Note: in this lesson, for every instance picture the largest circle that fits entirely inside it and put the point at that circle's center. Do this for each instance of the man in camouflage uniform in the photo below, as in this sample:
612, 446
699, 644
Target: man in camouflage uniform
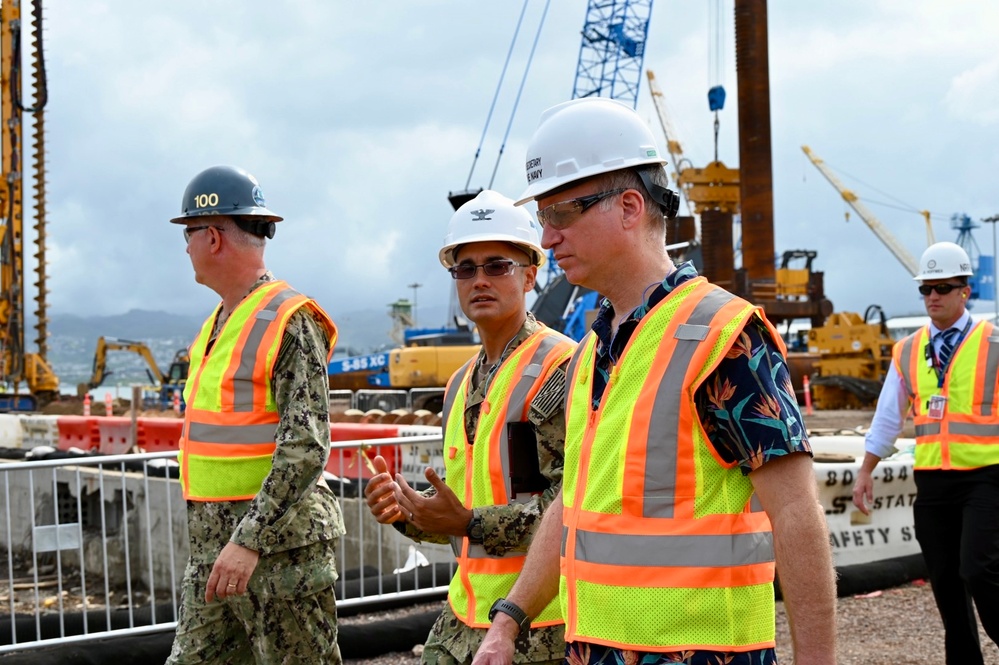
259, 582
493, 252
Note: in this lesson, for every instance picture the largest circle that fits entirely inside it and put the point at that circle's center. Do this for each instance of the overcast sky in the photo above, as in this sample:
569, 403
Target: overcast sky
358, 118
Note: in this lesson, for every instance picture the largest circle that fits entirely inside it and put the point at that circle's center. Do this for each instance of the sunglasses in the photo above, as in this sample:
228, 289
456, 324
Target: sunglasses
562, 214
191, 230
942, 289
497, 268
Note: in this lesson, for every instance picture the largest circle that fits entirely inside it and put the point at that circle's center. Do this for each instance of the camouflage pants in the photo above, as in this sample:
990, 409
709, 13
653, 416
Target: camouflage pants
286, 616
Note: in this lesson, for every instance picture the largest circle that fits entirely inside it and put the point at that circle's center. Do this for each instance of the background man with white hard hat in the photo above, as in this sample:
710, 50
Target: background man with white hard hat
947, 373
504, 431
687, 472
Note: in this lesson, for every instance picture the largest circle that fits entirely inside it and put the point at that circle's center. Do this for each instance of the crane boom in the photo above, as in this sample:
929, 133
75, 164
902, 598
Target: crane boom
672, 143
880, 230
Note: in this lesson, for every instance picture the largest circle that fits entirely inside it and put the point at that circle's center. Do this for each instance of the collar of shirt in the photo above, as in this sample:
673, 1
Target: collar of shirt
603, 324
959, 324
482, 377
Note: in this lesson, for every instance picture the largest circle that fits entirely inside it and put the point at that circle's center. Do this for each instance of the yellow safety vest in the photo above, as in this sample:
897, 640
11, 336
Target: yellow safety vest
664, 546
966, 436
228, 437
479, 474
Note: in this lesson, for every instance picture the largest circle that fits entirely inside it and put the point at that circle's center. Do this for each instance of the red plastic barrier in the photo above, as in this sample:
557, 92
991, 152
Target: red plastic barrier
158, 434
346, 463
78, 432
114, 435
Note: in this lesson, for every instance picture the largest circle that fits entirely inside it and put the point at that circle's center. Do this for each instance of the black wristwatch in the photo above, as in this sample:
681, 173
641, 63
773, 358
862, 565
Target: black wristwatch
506, 607
474, 529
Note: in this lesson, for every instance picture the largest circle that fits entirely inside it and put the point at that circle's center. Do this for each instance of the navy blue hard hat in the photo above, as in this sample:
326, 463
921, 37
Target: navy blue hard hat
231, 191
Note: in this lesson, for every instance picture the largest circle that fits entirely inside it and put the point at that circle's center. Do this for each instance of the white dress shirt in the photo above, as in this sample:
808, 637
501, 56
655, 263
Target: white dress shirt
893, 402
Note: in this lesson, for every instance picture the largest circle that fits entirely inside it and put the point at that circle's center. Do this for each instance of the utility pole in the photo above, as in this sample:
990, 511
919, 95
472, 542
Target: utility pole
993, 220
414, 286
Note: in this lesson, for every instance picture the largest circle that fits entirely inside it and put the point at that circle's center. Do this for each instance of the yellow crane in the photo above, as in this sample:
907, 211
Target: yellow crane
17, 366
880, 230
715, 186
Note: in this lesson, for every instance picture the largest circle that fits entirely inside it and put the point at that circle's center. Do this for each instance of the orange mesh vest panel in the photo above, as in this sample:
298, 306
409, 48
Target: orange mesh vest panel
231, 417
664, 547
966, 436
479, 474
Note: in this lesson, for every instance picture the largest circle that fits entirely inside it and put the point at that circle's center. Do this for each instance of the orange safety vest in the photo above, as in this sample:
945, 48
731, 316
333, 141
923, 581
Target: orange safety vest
664, 546
231, 417
966, 436
479, 474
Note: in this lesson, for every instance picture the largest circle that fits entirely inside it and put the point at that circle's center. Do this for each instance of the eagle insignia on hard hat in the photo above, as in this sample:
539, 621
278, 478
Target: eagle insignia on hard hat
481, 215
258, 196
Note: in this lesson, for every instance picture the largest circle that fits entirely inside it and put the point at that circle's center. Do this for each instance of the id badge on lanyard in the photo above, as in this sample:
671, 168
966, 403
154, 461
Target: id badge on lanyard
936, 407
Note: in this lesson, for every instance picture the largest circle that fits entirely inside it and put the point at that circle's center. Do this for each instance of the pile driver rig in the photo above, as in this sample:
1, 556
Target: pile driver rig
18, 367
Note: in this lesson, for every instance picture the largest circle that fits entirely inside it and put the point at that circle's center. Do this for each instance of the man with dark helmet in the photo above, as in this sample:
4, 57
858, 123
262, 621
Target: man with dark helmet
262, 523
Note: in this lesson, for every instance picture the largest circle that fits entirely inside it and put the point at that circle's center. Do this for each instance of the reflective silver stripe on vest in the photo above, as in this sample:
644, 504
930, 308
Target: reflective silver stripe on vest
660, 456
207, 433
450, 394
674, 551
927, 430
971, 429
476, 551
570, 370
242, 380
905, 360
991, 370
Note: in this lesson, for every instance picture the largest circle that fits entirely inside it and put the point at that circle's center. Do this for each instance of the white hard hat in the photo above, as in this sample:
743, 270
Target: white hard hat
490, 216
942, 260
583, 138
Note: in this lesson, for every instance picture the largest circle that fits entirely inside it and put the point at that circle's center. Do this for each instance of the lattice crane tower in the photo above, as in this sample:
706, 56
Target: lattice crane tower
612, 49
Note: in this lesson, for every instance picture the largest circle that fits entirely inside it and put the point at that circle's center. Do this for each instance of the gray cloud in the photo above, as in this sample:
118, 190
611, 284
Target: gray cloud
358, 118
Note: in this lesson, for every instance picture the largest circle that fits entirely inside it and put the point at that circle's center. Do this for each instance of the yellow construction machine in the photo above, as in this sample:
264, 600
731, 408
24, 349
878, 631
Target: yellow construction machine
18, 367
166, 382
854, 356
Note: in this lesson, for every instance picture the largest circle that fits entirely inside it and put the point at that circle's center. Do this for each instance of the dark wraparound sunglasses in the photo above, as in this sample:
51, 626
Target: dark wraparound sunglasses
191, 230
942, 289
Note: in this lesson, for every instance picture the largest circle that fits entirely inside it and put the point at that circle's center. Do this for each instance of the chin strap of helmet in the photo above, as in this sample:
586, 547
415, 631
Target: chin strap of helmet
668, 200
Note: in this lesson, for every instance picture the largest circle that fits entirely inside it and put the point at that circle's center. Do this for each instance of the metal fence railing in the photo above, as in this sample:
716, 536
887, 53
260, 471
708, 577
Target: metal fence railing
94, 546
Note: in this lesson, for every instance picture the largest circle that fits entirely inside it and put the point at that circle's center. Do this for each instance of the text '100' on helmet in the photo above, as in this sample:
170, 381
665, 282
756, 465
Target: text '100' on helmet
228, 190
492, 217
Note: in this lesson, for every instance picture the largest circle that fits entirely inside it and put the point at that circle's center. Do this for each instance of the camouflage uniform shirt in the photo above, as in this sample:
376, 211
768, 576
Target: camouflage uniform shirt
510, 527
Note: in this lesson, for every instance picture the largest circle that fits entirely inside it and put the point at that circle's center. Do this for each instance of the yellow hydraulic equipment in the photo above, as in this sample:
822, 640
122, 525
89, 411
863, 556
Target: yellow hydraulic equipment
854, 356
714, 187
880, 230
426, 366
17, 366
173, 379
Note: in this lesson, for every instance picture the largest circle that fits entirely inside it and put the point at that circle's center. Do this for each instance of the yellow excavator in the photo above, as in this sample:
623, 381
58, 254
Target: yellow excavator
18, 367
166, 382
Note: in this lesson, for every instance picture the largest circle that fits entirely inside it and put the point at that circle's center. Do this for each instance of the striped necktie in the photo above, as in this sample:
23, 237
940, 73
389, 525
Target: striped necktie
946, 346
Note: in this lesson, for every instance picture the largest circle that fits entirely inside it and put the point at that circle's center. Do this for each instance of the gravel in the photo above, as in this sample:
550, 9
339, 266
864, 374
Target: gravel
897, 626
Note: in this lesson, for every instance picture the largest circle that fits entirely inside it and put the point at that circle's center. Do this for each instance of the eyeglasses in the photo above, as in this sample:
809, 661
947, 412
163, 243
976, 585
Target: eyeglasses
497, 268
942, 289
562, 214
191, 230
